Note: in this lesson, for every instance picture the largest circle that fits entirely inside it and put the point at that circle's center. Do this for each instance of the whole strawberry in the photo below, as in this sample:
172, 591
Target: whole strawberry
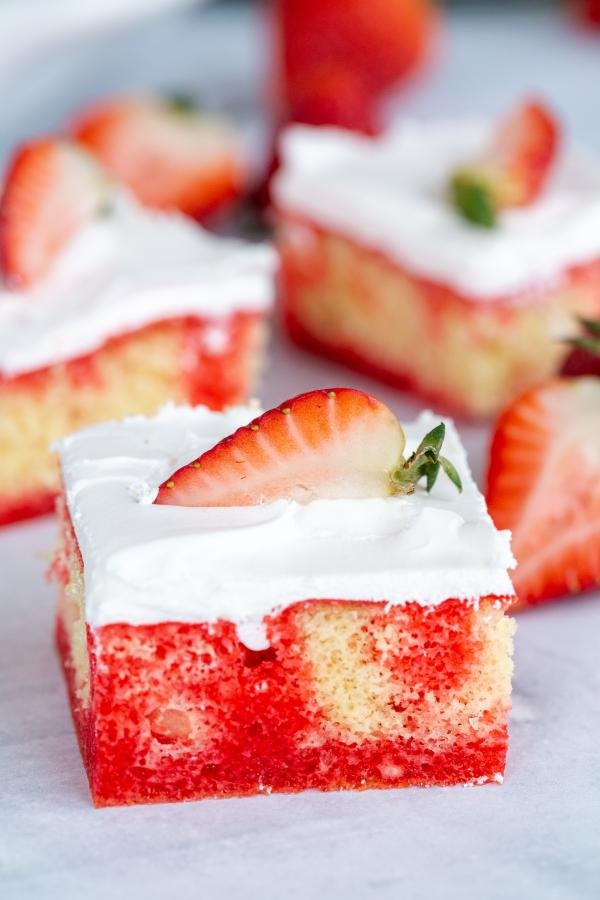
363, 47
333, 95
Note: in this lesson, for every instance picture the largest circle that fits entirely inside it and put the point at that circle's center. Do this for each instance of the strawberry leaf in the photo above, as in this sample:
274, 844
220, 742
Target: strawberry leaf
432, 442
473, 200
431, 475
425, 462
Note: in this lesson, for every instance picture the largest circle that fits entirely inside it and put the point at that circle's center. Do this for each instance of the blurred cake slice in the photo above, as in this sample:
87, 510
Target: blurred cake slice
446, 257
108, 309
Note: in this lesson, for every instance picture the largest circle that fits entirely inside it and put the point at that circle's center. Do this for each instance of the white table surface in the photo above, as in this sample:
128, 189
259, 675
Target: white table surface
62, 21
537, 836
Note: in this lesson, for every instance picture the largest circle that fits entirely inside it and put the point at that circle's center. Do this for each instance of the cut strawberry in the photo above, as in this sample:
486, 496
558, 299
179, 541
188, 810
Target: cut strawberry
52, 189
544, 485
325, 444
514, 169
166, 152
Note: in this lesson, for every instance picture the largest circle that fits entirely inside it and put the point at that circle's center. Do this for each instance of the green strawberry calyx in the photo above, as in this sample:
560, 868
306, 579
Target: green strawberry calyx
425, 462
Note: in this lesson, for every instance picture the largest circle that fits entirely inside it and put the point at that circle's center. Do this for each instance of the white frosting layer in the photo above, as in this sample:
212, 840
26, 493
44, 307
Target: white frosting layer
391, 194
145, 563
126, 270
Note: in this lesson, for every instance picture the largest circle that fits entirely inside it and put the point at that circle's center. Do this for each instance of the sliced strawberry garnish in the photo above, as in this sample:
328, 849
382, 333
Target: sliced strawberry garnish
170, 155
544, 485
53, 187
513, 170
325, 444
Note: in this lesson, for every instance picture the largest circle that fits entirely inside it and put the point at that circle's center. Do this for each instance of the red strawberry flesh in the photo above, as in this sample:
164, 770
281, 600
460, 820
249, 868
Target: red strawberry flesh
513, 171
525, 148
167, 153
326, 444
52, 189
544, 485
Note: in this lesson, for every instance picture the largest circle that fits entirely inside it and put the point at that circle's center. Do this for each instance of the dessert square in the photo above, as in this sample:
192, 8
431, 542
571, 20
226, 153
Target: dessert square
233, 650
380, 271
140, 308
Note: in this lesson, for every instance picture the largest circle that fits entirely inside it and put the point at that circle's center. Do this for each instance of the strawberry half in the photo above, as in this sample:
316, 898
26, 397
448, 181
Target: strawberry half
544, 485
325, 444
513, 171
52, 189
166, 152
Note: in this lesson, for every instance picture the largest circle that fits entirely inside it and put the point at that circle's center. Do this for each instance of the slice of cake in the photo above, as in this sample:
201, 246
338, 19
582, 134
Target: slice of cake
445, 256
107, 309
283, 608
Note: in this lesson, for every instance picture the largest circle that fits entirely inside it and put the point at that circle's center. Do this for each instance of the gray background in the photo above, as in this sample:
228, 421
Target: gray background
536, 836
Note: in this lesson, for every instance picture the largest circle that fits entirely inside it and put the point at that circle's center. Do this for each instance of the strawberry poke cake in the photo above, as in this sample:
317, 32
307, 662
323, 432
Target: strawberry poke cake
170, 154
445, 256
256, 603
109, 308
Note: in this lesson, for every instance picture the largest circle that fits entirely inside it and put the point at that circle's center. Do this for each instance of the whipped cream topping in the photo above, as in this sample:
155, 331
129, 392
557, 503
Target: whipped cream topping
146, 564
128, 269
391, 194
